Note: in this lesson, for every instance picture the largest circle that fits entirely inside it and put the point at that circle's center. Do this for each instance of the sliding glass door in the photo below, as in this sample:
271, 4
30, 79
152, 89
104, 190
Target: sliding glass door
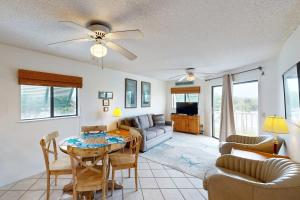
245, 104
216, 110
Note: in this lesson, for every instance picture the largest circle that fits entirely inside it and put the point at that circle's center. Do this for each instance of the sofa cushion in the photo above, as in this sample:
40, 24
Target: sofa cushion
158, 131
165, 128
144, 121
149, 134
135, 122
150, 120
159, 119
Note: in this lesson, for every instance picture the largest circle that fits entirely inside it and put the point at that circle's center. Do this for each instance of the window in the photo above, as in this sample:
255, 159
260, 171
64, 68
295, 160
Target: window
47, 102
216, 110
245, 105
35, 102
188, 97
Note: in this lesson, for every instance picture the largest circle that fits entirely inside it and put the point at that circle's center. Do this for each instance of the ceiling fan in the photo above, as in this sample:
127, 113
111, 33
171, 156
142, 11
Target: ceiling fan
189, 75
100, 34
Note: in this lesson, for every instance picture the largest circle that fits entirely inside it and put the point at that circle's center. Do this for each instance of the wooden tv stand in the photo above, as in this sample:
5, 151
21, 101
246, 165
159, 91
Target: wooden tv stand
186, 123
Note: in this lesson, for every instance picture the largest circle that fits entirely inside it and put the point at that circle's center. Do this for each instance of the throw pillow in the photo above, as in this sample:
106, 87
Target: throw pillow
150, 120
128, 122
159, 120
135, 122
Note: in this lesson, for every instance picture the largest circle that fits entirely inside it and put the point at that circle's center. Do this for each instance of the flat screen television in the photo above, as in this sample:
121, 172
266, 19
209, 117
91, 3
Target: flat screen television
187, 108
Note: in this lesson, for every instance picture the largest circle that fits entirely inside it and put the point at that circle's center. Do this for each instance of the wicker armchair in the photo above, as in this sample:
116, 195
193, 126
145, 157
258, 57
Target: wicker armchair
261, 143
244, 179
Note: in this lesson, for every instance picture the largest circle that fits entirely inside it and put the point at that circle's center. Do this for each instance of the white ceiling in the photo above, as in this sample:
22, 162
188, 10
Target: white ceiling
214, 35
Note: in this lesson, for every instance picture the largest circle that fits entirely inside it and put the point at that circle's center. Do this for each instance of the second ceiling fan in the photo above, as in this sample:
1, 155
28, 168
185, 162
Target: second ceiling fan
102, 37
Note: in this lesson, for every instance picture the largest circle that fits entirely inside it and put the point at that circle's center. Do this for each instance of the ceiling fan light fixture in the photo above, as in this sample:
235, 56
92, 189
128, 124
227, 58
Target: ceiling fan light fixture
98, 50
190, 77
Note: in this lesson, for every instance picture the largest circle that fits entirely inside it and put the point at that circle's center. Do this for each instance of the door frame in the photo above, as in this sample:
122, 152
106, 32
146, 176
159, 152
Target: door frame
212, 109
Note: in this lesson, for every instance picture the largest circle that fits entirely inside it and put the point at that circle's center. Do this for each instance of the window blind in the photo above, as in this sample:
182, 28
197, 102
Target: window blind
28, 77
185, 90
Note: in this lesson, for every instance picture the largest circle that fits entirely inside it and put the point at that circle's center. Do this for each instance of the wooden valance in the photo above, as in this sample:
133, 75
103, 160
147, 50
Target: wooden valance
27, 77
183, 90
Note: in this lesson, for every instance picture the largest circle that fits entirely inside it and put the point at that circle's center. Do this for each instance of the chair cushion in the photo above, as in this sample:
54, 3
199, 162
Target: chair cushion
165, 128
144, 121
159, 120
60, 164
227, 172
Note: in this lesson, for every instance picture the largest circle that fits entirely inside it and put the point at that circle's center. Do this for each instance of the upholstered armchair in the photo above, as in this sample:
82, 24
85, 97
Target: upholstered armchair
236, 178
261, 143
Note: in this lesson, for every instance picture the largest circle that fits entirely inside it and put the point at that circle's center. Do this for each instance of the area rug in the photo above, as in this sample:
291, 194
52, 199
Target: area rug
192, 154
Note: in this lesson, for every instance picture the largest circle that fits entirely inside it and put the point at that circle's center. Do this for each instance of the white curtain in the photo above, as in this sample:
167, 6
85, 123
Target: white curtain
227, 126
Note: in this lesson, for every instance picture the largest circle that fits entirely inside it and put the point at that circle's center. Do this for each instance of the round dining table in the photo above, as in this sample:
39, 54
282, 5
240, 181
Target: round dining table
113, 140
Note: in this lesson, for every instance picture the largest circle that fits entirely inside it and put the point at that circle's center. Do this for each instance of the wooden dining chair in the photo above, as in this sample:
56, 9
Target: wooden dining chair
57, 166
127, 160
87, 129
88, 175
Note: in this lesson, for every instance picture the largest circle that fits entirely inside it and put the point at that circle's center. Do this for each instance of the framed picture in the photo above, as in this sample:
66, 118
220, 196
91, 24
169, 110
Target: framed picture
130, 93
105, 109
291, 85
101, 95
105, 102
109, 95
105, 95
145, 94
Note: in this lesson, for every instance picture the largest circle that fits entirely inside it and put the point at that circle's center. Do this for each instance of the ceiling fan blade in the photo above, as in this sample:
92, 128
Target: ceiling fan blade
78, 27
177, 76
129, 34
196, 75
200, 76
71, 40
182, 78
121, 50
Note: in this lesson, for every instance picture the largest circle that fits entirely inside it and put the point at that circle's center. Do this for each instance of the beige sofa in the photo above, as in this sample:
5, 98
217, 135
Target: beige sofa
237, 178
261, 143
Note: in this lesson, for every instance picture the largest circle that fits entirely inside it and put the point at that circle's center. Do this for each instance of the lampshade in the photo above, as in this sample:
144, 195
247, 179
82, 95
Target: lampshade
275, 124
117, 112
98, 50
190, 77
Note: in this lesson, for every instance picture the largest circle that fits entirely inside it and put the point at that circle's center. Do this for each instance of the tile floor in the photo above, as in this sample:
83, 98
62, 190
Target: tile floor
156, 181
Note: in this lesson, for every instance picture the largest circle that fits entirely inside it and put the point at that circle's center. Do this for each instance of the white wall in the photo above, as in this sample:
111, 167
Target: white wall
289, 56
20, 153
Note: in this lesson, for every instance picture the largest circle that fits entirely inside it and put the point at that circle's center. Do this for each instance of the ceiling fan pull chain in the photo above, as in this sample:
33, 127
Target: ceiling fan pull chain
102, 62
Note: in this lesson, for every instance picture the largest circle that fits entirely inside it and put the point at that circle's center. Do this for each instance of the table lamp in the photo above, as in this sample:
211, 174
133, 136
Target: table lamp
117, 113
276, 125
